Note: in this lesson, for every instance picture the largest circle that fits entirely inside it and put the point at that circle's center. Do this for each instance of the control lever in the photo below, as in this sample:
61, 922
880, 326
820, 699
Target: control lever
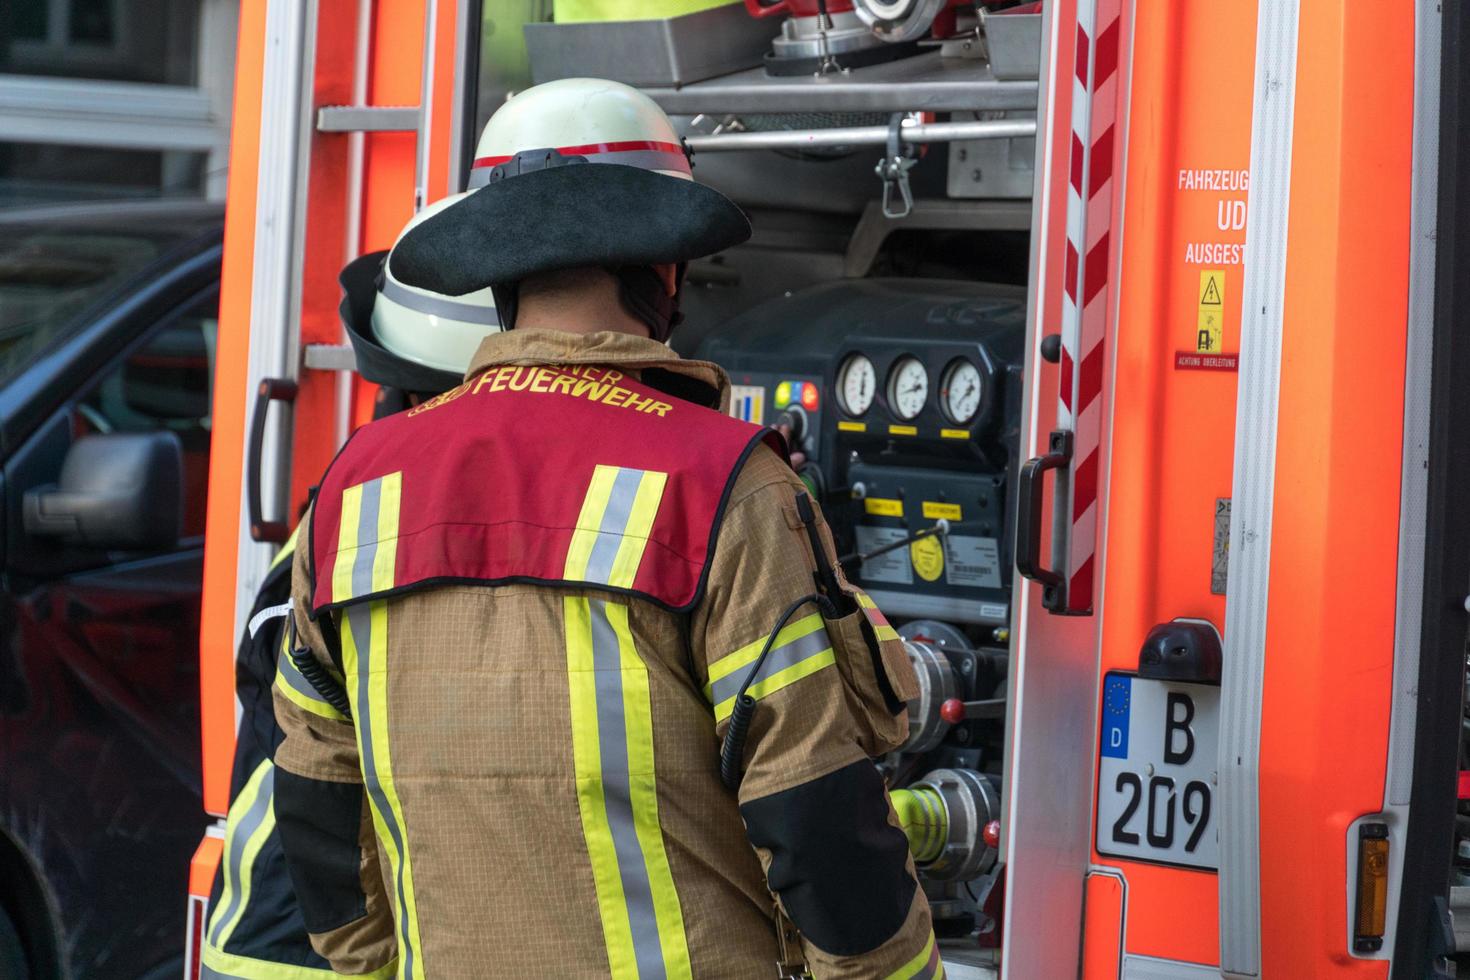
941, 528
955, 711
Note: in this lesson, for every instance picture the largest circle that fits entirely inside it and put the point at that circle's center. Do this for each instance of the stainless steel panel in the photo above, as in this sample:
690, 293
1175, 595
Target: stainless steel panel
926, 82
667, 51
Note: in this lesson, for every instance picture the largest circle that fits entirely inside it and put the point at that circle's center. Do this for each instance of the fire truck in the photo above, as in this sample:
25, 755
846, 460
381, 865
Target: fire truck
1127, 346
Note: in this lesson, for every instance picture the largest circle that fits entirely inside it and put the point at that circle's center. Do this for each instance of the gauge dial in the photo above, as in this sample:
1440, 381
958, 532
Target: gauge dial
960, 391
856, 383
908, 387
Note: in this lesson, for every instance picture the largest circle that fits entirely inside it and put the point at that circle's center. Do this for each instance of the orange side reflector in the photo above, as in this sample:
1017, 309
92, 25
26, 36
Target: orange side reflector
202, 867
1372, 902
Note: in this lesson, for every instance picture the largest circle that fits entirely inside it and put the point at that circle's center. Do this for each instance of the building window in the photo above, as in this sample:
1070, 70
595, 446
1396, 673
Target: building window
36, 172
118, 40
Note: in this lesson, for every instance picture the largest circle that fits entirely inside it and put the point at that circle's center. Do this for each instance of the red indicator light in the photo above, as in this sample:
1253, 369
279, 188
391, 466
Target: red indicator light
810, 397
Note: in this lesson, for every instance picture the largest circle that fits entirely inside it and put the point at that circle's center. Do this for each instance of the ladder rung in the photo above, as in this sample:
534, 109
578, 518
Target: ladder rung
367, 118
330, 357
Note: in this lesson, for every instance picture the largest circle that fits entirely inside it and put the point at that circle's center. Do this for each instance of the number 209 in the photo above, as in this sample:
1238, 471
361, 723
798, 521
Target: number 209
1159, 819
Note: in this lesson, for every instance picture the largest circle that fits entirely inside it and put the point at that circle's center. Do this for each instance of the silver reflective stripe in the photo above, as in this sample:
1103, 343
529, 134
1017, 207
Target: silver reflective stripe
240, 835
614, 523
291, 675
782, 657
612, 736
1253, 490
450, 309
931, 968
360, 622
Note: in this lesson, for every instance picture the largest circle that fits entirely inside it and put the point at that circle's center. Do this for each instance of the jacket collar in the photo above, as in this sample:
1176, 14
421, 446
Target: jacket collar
654, 363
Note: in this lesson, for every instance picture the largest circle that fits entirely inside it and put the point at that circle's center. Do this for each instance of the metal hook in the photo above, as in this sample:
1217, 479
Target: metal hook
893, 170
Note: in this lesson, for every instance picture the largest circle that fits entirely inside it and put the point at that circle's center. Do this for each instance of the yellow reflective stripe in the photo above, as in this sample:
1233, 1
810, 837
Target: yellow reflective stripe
746, 655
589, 521
219, 965
297, 689
346, 543
643, 790
617, 794
587, 765
385, 554
782, 678
306, 702
364, 658
925, 966
881, 628
287, 549
258, 790
635, 535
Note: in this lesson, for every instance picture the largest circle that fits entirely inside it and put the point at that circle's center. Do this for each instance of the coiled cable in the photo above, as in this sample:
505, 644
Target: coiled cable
732, 749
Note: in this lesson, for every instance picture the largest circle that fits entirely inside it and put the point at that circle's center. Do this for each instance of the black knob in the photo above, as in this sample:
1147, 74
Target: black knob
1051, 348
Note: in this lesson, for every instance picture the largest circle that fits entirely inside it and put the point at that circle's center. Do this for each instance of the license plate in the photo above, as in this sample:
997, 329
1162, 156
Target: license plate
1157, 771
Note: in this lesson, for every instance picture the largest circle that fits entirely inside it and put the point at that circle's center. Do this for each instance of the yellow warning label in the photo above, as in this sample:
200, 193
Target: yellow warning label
954, 433
883, 507
934, 510
903, 430
1210, 324
1212, 287
927, 555
845, 426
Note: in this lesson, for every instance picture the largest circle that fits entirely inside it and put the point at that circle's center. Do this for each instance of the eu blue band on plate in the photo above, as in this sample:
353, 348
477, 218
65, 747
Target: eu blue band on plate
1117, 696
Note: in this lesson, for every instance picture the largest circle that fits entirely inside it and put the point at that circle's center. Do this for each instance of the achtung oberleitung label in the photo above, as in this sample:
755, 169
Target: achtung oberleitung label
1211, 319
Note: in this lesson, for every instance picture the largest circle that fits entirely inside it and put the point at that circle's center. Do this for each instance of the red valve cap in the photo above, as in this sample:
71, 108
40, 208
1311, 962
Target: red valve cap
991, 834
952, 711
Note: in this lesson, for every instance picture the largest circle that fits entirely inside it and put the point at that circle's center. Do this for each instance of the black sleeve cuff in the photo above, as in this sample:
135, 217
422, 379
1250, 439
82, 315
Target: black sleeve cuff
319, 823
840, 867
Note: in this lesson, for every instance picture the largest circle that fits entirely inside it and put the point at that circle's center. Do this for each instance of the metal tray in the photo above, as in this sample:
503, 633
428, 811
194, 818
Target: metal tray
671, 51
1014, 41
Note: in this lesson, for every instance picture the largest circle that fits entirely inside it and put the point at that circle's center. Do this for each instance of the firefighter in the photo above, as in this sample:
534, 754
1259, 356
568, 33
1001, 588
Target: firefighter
415, 344
609, 693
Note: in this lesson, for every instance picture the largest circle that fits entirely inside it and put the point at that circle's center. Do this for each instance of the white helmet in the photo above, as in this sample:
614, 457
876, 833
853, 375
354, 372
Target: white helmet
429, 328
539, 208
592, 118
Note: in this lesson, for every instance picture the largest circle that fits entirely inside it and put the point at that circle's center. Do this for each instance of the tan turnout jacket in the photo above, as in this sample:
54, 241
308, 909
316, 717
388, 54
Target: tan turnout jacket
501, 858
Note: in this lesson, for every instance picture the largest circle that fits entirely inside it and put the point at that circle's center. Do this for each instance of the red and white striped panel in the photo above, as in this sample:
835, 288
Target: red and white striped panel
1088, 257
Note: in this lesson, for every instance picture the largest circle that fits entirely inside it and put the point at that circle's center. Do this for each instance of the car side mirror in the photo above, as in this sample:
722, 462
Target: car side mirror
121, 491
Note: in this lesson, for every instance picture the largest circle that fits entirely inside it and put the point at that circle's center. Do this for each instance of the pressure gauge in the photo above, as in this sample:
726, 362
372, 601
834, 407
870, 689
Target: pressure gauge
960, 391
856, 383
908, 387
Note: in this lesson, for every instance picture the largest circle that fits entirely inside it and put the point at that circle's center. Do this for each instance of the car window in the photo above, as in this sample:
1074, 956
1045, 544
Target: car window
49, 276
165, 384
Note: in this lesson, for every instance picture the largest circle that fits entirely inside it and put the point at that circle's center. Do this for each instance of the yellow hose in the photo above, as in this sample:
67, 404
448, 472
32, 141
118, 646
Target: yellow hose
924, 819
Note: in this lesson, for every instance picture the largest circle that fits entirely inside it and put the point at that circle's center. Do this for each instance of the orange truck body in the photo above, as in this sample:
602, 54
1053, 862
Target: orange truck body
1185, 99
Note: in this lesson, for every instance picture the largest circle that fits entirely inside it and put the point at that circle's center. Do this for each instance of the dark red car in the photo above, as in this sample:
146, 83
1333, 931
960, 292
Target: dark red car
107, 329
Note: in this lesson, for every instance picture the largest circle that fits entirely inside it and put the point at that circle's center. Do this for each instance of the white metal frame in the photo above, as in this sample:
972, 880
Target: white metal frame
275, 288
1253, 490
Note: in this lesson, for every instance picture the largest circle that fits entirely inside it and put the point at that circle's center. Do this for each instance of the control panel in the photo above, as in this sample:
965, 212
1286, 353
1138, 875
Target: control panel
904, 394
905, 397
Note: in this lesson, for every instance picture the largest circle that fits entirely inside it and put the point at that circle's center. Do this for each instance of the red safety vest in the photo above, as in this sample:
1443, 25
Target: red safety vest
531, 474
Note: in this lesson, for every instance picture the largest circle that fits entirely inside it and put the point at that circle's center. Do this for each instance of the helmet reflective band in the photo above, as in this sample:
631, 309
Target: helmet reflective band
592, 118
429, 328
